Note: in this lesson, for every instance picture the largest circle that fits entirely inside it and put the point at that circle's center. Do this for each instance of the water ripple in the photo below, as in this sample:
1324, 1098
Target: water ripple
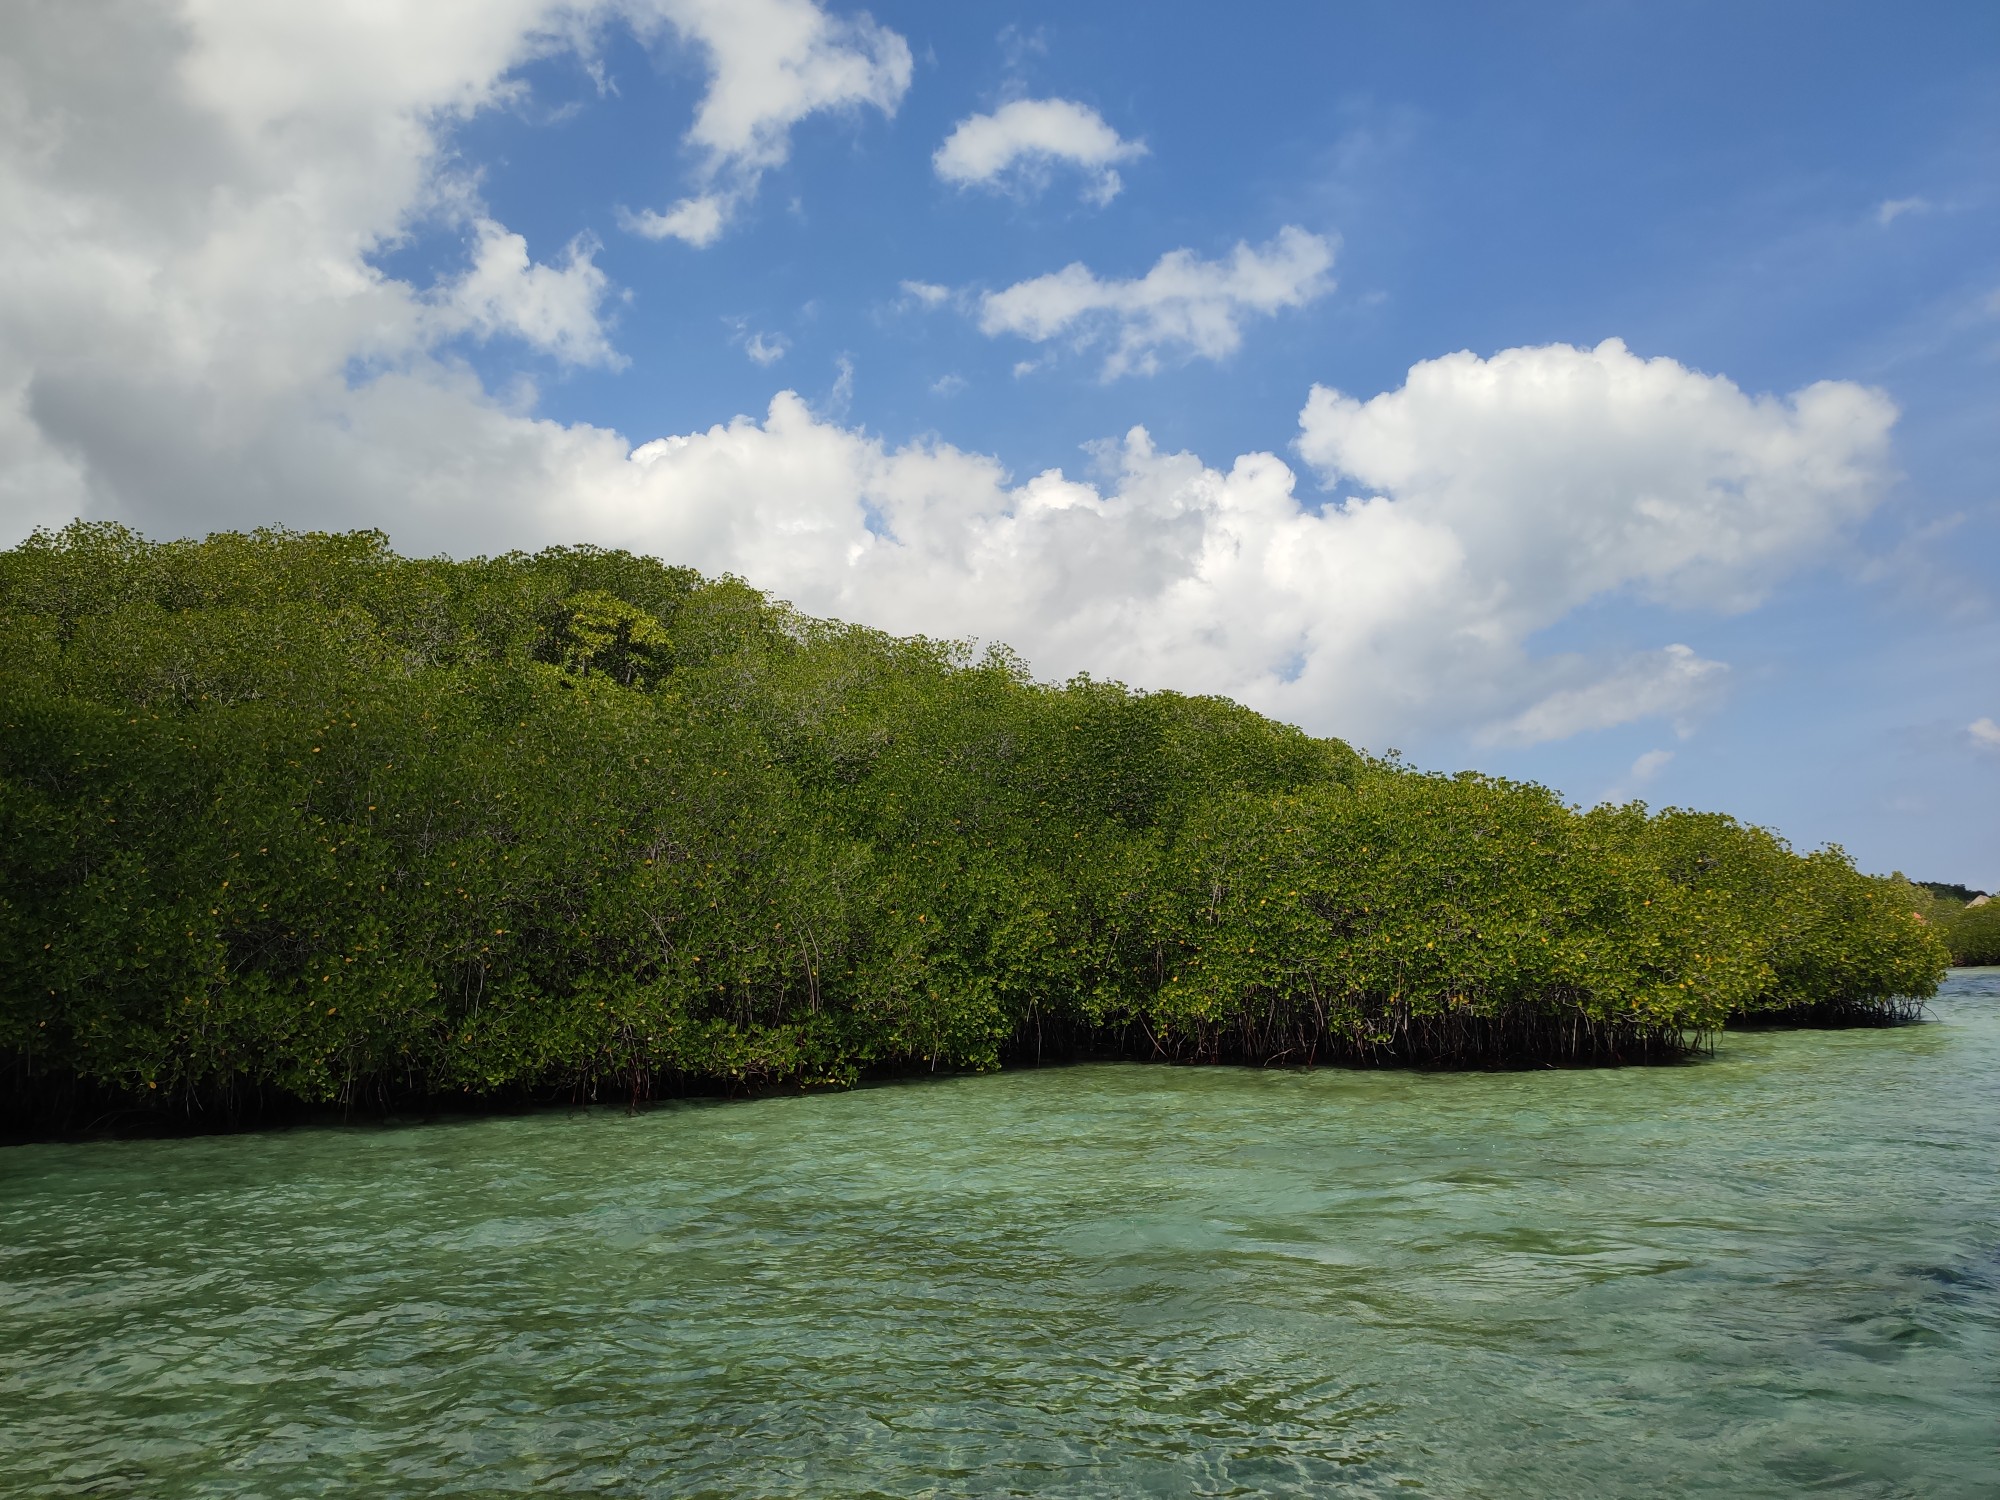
1774, 1273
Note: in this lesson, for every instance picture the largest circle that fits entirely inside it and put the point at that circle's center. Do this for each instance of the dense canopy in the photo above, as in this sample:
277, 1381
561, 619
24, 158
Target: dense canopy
289, 817
1973, 933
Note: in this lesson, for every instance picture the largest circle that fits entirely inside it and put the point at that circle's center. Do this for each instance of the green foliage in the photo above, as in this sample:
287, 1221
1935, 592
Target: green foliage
600, 632
1928, 899
288, 814
1828, 938
1973, 934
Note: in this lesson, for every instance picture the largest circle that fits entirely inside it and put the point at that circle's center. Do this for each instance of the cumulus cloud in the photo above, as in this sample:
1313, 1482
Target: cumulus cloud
192, 335
554, 309
696, 221
1184, 307
191, 195
771, 64
1374, 617
1984, 734
1017, 144
1569, 472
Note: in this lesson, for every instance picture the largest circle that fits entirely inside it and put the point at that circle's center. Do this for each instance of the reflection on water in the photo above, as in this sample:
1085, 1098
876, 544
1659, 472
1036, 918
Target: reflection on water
1772, 1273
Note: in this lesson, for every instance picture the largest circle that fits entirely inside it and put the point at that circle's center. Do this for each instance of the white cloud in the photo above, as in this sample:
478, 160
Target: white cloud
1570, 472
925, 294
192, 336
840, 396
1649, 765
1017, 143
1666, 683
771, 64
1984, 733
947, 385
1638, 776
696, 221
766, 349
1889, 212
1376, 617
553, 309
1183, 306
188, 197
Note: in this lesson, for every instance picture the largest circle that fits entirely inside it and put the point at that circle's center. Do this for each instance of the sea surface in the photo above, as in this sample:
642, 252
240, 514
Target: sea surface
1772, 1272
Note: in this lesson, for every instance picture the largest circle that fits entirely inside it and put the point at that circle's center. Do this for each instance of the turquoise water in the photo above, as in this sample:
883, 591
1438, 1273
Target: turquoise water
1772, 1273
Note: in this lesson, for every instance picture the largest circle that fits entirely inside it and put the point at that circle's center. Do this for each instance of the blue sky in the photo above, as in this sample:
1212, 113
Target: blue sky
1705, 184
1678, 590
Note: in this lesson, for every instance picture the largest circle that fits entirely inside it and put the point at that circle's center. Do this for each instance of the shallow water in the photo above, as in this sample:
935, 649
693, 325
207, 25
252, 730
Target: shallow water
1772, 1273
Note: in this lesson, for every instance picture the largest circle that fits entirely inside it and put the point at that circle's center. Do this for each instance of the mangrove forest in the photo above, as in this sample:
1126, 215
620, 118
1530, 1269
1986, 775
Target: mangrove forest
291, 820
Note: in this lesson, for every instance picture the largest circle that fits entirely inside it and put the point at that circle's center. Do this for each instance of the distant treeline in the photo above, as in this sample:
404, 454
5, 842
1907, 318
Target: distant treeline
289, 817
1959, 895
1974, 936
1972, 933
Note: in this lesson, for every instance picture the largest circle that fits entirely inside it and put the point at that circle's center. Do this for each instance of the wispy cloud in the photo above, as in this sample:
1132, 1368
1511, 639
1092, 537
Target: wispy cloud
1671, 682
1183, 307
766, 348
925, 294
771, 64
1649, 765
1637, 777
